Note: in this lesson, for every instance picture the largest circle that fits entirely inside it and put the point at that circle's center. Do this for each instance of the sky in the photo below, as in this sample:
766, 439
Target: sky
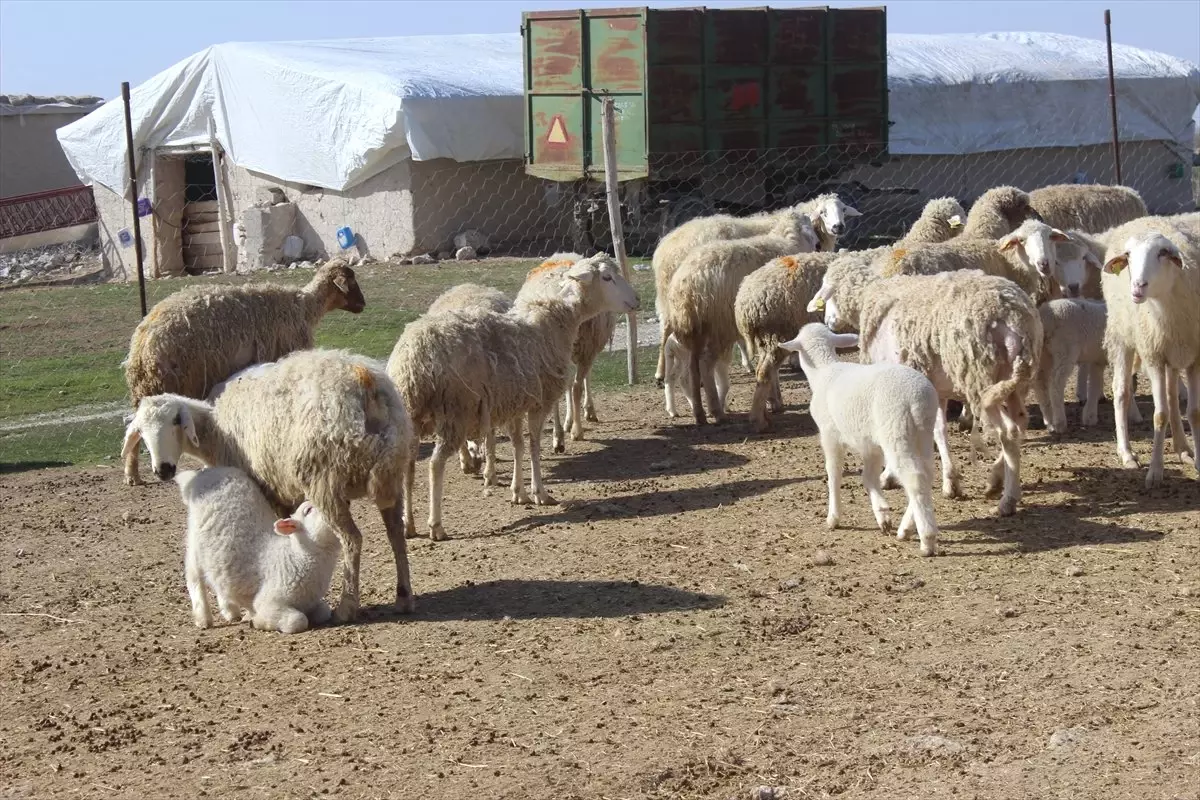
89, 46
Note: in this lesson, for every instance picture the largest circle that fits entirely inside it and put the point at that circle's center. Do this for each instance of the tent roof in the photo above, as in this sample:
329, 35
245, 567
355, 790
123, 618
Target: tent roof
332, 113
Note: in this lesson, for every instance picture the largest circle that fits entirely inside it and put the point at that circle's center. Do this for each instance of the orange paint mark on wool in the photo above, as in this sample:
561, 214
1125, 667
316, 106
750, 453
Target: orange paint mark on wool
363, 376
546, 266
789, 263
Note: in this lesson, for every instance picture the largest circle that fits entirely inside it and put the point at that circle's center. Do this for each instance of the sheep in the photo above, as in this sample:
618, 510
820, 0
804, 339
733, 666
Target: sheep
473, 455
199, 336
326, 425
464, 372
1087, 207
674, 248
701, 300
1151, 284
1073, 334
885, 414
980, 340
828, 214
998, 211
278, 570
771, 301
545, 280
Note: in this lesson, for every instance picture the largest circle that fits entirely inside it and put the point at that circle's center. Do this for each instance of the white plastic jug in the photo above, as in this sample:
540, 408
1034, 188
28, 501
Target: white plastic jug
293, 247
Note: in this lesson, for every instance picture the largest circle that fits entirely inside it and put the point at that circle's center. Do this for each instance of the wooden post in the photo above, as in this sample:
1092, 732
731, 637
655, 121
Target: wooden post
608, 129
228, 261
1112, 95
133, 200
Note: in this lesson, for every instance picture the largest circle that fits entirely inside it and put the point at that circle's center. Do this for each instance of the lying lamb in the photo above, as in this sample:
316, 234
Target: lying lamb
885, 414
277, 570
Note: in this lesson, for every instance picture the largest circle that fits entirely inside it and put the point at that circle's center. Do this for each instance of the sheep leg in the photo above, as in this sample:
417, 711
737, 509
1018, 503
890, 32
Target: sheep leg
666, 361
437, 485
1055, 414
559, 444
768, 367
393, 523
951, 487
1160, 377
916, 476
696, 387
337, 512
744, 354
1193, 413
1015, 416
1090, 414
721, 378
1122, 367
537, 421
872, 466
468, 460
835, 457
201, 614
966, 420
589, 406
773, 360
1178, 438
409, 497
489, 464
660, 370
1083, 383
716, 403
516, 434
132, 476
577, 391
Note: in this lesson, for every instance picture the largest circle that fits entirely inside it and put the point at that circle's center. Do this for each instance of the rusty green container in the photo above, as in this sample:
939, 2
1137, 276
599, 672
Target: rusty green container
812, 81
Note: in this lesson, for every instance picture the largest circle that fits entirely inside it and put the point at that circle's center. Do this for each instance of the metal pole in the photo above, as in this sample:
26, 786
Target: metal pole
133, 200
608, 130
1112, 94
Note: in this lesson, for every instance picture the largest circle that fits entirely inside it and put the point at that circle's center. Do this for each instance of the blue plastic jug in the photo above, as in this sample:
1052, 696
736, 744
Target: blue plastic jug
345, 237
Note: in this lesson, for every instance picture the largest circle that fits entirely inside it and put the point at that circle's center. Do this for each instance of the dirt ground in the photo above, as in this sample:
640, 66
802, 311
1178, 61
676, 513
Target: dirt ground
664, 632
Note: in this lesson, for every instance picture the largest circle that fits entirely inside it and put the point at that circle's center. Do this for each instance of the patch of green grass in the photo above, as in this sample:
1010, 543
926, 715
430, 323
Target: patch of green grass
61, 348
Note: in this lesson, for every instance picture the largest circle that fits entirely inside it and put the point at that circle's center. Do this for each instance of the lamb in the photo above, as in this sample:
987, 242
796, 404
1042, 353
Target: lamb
199, 336
545, 280
473, 455
325, 425
463, 372
771, 302
885, 414
701, 301
980, 342
1151, 284
278, 570
1087, 207
1073, 331
680, 242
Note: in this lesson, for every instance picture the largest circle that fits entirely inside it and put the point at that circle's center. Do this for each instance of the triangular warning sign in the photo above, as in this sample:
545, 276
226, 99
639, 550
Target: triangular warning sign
558, 131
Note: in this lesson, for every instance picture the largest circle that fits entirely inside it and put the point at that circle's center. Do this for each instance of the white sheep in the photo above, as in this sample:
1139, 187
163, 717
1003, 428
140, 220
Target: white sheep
828, 214
702, 297
1087, 207
1073, 335
325, 425
277, 570
671, 251
464, 372
199, 336
545, 280
977, 337
885, 414
1151, 284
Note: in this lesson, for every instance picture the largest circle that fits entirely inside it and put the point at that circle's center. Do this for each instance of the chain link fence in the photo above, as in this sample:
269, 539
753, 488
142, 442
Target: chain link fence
68, 308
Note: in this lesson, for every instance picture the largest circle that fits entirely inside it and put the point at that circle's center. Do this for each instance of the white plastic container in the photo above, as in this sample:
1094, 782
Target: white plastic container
293, 247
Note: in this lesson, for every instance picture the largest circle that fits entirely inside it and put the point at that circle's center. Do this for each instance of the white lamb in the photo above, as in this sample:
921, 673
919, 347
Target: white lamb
885, 414
277, 570
1073, 335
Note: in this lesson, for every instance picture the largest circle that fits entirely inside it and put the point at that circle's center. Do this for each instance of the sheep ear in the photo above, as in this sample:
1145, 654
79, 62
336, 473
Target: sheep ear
818, 301
1115, 264
133, 435
1175, 259
286, 526
189, 426
792, 346
581, 272
1008, 243
1090, 260
844, 340
340, 283
851, 211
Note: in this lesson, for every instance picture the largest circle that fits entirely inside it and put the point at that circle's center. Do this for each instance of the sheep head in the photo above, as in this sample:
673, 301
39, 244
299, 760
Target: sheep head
817, 345
1034, 243
1152, 260
601, 285
832, 213
1074, 258
336, 280
308, 521
165, 422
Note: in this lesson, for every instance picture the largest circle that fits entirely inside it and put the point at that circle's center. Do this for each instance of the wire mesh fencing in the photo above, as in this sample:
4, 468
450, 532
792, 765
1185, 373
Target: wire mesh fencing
68, 309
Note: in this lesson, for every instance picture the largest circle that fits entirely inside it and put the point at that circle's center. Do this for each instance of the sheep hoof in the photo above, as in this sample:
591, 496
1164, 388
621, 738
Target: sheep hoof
133, 480
1008, 506
345, 611
1154, 478
521, 499
994, 488
952, 491
405, 603
590, 416
437, 533
1129, 462
884, 519
544, 499
831, 522
658, 382
577, 436
202, 622
928, 550
560, 447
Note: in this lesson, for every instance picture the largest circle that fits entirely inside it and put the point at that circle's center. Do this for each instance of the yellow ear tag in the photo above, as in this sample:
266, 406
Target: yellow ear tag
819, 303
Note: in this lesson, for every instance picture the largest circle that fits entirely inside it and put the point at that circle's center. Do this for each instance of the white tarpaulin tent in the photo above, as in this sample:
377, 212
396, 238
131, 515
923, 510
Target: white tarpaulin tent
334, 113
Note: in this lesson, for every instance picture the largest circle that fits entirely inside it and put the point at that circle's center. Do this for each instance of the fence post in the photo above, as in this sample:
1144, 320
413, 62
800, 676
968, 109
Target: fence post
1112, 95
608, 130
228, 264
133, 200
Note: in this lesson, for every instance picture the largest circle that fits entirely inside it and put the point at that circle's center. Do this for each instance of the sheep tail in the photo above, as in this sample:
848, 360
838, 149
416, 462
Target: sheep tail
995, 395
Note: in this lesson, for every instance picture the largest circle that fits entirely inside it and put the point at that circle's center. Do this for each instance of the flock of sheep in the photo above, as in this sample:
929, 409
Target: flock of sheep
978, 307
